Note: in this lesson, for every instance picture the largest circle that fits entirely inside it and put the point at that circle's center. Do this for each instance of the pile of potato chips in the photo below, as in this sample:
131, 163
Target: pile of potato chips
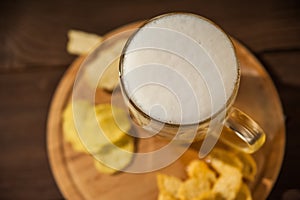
220, 176
101, 131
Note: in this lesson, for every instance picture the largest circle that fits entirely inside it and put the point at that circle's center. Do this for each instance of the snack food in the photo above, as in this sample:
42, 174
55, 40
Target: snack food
228, 185
221, 160
249, 168
103, 70
244, 193
219, 176
193, 188
199, 169
70, 130
81, 42
104, 138
114, 157
168, 185
165, 196
208, 195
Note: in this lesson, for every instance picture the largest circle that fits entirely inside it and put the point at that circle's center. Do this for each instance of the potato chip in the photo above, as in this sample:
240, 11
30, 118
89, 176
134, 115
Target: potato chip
68, 123
228, 184
165, 196
112, 158
109, 144
77, 129
100, 127
199, 169
103, 71
244, 193
103, 168
208, 195
110, 78
192, 188
221, 159
116, 117
81, 42
224, 181
107, 130
168, 185
249, 168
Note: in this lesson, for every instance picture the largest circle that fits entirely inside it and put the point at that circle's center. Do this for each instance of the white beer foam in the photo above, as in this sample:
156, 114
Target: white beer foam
184, 64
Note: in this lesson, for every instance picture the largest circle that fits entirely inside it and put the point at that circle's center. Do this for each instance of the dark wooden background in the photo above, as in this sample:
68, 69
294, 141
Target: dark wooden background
33, 59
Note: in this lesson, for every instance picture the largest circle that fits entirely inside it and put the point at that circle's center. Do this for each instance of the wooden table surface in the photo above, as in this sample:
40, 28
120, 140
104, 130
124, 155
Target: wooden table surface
33, 36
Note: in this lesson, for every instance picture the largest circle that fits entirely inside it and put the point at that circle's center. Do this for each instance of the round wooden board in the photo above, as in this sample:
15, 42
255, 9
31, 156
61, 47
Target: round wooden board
77, 177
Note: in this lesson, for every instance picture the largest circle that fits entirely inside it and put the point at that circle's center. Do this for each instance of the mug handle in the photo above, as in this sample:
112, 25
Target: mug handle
242, 132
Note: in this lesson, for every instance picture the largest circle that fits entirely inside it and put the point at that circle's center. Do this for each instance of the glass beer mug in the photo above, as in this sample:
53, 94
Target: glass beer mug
179, 76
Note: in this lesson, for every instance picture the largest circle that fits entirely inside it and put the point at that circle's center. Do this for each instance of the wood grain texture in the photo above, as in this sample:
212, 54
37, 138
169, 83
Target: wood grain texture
285, 66
24, 167
36, 32
33, 59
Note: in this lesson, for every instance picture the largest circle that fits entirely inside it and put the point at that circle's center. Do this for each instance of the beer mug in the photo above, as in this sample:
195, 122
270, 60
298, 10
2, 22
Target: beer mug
179, 76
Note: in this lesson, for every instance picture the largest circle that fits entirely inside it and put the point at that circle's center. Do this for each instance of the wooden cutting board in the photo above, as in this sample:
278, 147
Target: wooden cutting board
77, 177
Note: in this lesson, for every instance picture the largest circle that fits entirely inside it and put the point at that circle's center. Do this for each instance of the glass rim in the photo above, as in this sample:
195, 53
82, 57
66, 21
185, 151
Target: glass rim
229, 101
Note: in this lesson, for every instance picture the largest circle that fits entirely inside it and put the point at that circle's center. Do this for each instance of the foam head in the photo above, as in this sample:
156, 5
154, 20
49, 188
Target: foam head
179, 69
